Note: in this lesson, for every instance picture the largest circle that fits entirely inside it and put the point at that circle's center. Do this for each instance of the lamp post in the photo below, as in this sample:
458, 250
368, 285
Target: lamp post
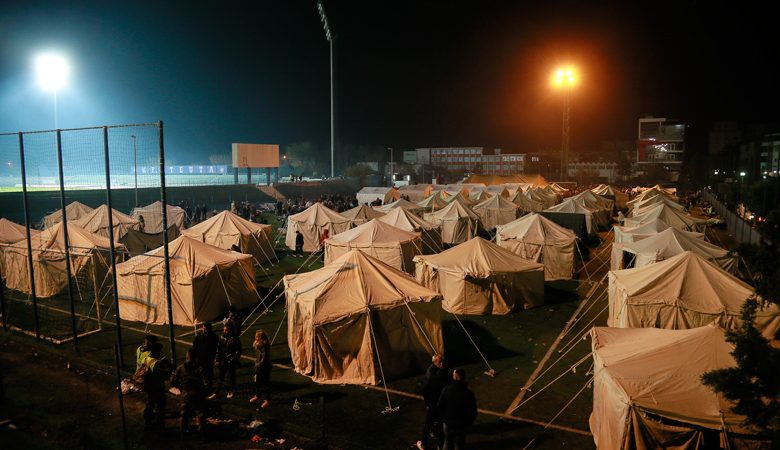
329, 36
565, 78
135, 170
392, 166
52, 72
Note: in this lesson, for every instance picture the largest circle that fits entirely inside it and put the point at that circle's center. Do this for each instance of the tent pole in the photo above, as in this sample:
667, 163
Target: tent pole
164, 208
112, 249
67, 241
29, 241
95, 293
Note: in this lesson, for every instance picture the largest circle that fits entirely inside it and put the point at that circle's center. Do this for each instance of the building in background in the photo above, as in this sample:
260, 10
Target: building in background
660, 144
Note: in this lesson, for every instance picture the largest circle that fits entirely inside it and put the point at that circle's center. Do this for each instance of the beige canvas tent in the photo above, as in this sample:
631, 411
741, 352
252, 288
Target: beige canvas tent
501, 190
402, 203
647, 390
152, 214
227, 229
393, 246
96, 221
311, 223
205, 280
479, 196
89, 258
668, 243
603, 190
74, 210
383, 194
405, 220
672, 217
525, 204
536, 238
415, 192
574, 216
631, 234
685, 291
643, 205
458, 223
437, 200
359, 321
495, 211
10, 233
361, 214
539, 196
479, 278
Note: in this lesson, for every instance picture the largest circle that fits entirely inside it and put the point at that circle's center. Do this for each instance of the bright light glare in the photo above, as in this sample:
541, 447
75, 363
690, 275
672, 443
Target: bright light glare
52, 71
566, 76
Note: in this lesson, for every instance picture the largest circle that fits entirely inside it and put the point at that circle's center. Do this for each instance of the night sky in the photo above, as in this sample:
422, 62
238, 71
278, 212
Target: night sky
409, 73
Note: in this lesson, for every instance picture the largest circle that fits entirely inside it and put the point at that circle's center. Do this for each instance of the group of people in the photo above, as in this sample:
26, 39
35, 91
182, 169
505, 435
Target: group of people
336, 202
194, 379
451, 407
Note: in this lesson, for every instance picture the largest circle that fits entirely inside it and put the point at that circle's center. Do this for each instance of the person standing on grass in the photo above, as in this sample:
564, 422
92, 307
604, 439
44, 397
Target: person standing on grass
437, 377
262, 375
154, 385
228, 358
298, 244
233, 320
205, 347
188, 379
458, 409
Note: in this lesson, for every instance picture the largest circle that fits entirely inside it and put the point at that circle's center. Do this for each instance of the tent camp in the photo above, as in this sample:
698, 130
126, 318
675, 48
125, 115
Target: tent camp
437, 200
574, 216
137, 242
393, 246
538, 196
96, 221
647, 390
619, 197
500, 189
672, 217
479, 196
402, 203
643, 205
227, 229
460, 198
525, 204
10, 233
535, 238
152, 215
384, 194
360, 321
311, 224
495, 211
74, 210
668, 243
489, 180
405, 220
601, 207
685, 291
415, 192
480, 278
361, 214
205, 280
458, 223
89, 260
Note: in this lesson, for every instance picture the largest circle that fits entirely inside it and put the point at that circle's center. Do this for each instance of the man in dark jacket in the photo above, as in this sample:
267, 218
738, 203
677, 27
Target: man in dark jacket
154, 386
437, 377
458, 409
188, 379
228, 357
205, 348
298, 244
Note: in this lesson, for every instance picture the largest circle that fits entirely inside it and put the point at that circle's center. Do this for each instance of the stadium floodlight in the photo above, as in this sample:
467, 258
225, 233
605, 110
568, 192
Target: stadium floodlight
52, 71
329, 36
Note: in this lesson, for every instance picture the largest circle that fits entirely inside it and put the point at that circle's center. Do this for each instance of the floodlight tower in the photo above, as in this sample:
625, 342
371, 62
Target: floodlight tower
52, 72
565, 78
330, 37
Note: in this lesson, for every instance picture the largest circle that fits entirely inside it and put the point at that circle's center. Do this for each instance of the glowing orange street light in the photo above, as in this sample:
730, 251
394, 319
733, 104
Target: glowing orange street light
565, 78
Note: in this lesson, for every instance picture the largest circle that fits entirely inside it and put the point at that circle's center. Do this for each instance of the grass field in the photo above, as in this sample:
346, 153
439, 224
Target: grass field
353, 416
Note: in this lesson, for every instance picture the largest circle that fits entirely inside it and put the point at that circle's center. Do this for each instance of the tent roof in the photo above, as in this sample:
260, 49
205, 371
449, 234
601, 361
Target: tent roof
570, 206
98, 218
536, 229
188, 259
436, 200
672, 241
479, 258
374, 231
405, 220
318, 214
415, 187
687, 280
81, 241
362, 212
525, 203
11, 232
496, 202
647, 203
671, 216
453, 210
352, 284
73, 210
400, 203
459, 197
226, 223
482, 195
652, 227
660, 370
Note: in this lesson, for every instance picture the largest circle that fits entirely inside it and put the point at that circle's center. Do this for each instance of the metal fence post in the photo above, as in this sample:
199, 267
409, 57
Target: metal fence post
112, 250
67, 241
165, 245
29, 242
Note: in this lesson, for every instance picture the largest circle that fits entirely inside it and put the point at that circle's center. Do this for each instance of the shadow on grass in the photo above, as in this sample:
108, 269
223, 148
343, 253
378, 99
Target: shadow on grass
560, 291
460, 351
